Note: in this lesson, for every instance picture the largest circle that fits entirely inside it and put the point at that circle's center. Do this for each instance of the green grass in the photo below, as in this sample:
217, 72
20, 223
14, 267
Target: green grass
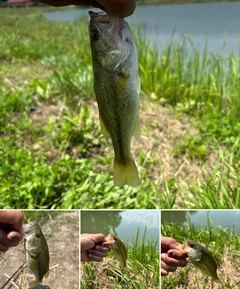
142, 268
223, 243
52, 153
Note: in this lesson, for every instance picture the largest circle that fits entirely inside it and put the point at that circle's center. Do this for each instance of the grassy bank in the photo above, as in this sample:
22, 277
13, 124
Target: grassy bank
223, 243
52, 153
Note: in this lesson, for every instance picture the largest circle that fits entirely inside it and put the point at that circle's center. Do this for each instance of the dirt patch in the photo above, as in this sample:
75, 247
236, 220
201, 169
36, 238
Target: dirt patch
62, 235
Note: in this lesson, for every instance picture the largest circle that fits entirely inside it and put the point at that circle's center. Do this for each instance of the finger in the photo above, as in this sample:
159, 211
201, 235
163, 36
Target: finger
123, 8
164, 272
58, 3
166, 264
11, 218
106, 244
97, 253
176, 254
95, 258
3, 248
98, 238
102, 249
14, 236
173, 262
11, 239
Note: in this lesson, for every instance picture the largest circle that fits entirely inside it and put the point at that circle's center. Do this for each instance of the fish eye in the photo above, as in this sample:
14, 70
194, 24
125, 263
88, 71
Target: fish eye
192, 245
95, 35
38, 235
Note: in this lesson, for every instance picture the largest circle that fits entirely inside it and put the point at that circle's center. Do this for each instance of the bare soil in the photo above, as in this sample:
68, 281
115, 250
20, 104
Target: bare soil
62, 235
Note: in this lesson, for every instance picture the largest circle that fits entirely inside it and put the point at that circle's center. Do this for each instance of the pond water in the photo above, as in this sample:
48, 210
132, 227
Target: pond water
125, 223
219, 23
220, 218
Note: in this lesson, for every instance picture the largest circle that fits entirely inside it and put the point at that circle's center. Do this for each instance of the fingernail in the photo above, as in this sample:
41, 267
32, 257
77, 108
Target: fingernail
90, 256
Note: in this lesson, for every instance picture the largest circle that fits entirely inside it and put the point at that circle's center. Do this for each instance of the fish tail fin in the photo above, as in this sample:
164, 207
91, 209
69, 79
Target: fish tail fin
125, 173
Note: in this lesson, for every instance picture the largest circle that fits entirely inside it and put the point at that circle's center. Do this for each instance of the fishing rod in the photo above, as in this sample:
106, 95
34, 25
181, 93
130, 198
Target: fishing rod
15, 276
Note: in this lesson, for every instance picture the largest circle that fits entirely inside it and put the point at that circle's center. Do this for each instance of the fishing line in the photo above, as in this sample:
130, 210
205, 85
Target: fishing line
17, 272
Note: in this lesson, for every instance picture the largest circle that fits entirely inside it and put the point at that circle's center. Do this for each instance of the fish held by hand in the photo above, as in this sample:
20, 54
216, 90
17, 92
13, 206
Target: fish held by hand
117, 88
119, 249
36, 251
201, 259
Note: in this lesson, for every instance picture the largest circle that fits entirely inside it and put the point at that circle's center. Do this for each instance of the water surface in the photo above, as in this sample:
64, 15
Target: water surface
125, 223
220, 218
219, 23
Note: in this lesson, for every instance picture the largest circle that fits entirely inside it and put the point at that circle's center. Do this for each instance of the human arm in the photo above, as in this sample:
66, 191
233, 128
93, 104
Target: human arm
123, 8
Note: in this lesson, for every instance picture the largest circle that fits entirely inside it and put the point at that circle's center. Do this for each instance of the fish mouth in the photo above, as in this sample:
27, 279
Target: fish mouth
109, 20
182, 247
99, 17
29, 228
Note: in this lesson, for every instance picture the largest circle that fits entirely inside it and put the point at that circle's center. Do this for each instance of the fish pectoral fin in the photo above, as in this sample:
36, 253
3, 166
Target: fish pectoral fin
217, 280
137, 131
125, 173
103, 128
47, 274
33, 284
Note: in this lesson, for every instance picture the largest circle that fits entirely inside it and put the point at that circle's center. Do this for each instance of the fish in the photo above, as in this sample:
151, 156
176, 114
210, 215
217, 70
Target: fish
201, 259
117, 89
119, 249
36, 251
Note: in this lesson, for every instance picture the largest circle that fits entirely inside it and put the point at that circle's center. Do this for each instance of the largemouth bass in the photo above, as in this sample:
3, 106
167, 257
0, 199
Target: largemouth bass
201, 259
117, 88
119, 249
36, 250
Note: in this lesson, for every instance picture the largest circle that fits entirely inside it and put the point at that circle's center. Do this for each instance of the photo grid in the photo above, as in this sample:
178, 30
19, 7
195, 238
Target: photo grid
119, 144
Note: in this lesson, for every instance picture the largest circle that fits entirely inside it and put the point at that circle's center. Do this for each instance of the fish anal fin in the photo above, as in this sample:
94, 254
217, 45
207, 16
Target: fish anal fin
103, 128
125, 173
137, 130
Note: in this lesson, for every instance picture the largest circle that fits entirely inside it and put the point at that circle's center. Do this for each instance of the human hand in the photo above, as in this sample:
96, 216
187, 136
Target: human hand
123, 8
10, 229
93, 247
171, 256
